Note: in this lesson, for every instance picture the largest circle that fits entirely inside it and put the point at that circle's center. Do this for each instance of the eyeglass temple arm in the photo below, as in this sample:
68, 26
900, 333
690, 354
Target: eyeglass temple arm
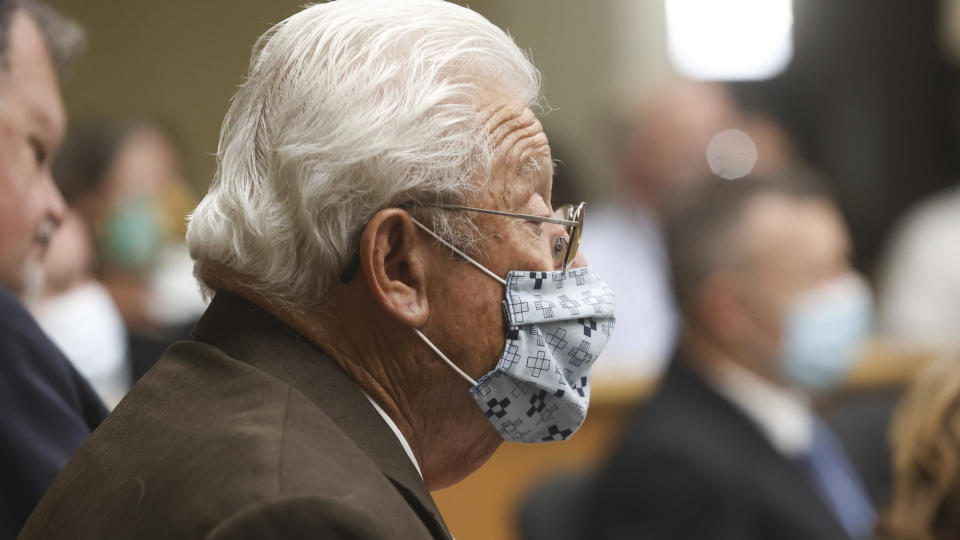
542, 219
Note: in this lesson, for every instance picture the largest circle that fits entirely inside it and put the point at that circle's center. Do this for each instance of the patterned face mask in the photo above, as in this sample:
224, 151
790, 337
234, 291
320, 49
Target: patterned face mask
557, 325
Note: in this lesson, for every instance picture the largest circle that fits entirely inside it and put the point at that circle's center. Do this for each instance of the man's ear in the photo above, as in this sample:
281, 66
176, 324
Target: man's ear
392, 258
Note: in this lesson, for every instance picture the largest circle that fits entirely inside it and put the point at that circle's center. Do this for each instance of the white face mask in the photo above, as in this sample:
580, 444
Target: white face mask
823, 329
557, 325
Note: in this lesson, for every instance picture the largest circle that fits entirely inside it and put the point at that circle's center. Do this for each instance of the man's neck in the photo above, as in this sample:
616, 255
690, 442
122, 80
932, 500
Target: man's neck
704, 353
369, 360
429, 404
783, 415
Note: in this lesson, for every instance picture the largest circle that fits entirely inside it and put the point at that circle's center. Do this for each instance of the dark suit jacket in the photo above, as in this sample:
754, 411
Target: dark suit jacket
692, 466
248, 432
47, 410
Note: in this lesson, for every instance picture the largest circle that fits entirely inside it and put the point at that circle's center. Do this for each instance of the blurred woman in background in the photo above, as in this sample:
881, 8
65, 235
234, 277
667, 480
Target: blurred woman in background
125, 182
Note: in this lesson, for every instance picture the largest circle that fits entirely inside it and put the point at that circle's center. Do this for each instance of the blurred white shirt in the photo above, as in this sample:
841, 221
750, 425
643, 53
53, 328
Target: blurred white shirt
783, 416
86, 326
919, 289
396, 432
626, 247
174, 298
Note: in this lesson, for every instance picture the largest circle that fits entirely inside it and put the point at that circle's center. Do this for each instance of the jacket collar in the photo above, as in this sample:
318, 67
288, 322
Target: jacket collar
252, 335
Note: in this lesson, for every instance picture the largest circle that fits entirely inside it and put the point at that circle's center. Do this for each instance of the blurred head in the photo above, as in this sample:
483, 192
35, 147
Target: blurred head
776, 149
925, 438
757, 265
664, 147
34, 44
125, 179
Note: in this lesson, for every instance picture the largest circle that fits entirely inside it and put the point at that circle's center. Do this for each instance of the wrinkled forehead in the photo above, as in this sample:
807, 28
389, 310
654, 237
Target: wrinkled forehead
521, 151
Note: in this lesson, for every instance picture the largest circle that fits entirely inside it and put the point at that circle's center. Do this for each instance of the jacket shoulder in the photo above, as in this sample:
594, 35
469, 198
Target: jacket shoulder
307, 516
221, 445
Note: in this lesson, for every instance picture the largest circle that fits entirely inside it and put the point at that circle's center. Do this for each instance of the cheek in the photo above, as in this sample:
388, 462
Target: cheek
774, 324
776, 330
16, 241
760, 319
519, 248
33, 210
470, 313
16, 212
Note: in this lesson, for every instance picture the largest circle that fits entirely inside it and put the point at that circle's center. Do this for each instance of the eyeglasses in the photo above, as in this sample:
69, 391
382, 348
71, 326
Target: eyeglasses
568, 215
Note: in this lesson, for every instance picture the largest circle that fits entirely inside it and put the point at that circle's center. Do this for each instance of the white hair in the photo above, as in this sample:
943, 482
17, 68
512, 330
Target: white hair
349, 107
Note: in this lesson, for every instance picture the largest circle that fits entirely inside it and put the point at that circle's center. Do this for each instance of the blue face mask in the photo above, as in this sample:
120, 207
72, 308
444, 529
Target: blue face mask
823, 329
132, 236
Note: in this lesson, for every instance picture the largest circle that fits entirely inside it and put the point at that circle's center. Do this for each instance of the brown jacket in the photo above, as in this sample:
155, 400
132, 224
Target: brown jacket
248, 432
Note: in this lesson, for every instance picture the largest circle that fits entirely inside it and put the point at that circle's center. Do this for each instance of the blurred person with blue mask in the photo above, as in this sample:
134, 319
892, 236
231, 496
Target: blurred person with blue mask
394, 296
47, 409
730, 446
126, 181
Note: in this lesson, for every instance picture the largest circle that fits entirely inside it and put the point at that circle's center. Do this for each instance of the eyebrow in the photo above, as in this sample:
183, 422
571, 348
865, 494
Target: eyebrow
536, 166
531, 165
44, 123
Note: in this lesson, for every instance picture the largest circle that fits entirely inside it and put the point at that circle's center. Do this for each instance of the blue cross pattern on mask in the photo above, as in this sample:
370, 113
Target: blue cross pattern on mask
557, 325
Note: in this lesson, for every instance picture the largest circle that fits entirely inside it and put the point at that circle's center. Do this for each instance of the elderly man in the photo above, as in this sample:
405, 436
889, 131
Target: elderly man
46, 409
394, 296
729, 446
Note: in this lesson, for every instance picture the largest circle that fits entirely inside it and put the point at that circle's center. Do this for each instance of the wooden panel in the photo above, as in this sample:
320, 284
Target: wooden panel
484, 506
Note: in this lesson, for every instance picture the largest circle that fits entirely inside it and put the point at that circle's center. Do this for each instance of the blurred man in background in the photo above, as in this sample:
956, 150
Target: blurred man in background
729, 446
666, 151
46, 408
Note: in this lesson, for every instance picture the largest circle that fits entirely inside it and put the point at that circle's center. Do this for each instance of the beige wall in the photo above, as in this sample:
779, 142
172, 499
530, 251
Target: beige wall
176, 60
181, 60
570, 43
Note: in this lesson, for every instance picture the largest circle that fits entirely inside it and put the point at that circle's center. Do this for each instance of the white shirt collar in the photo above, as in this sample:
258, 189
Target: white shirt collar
396, 431
783, 416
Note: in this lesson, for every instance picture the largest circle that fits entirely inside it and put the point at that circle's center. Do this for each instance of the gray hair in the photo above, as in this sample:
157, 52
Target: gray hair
349, 107
65, 39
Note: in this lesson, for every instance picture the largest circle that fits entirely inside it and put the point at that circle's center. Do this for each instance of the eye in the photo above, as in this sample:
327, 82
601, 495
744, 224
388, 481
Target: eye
559, 249
39, 151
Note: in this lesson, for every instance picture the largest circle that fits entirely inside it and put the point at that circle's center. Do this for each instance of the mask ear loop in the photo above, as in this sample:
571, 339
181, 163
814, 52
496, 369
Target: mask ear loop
458, 252
445, 359
471, 261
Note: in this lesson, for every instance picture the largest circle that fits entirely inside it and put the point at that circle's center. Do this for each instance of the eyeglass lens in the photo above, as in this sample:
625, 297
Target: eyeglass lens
572, 213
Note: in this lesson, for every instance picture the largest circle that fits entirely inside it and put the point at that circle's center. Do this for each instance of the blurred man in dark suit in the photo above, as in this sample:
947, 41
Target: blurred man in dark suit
729, 446
46, 408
